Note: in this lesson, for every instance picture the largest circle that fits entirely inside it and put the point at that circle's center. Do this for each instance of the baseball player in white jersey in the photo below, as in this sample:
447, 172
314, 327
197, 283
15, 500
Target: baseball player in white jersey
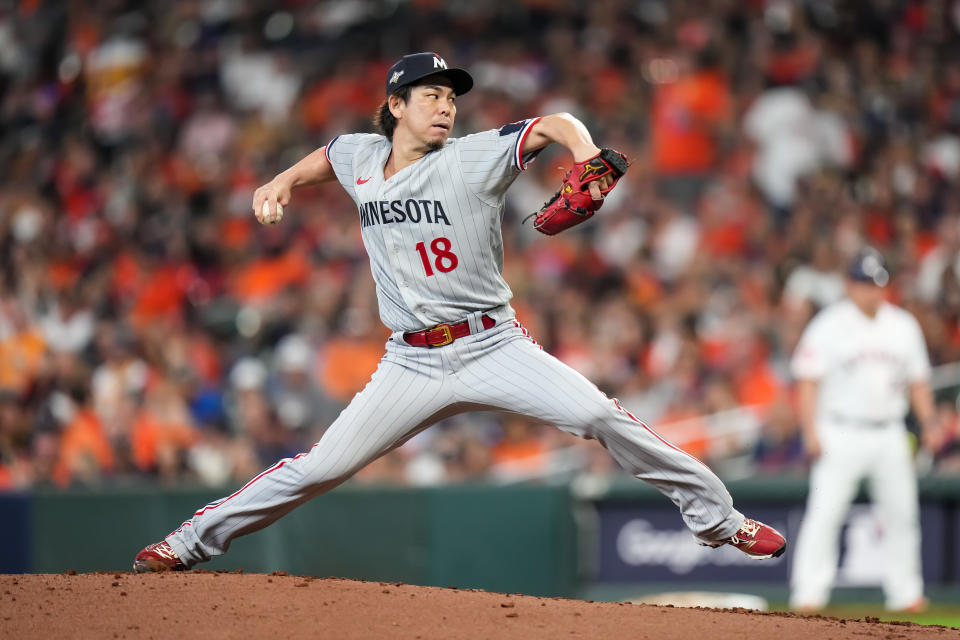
430, 209
857, 364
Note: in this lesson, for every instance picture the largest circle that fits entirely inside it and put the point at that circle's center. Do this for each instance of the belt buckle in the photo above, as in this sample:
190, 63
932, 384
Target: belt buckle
447, 335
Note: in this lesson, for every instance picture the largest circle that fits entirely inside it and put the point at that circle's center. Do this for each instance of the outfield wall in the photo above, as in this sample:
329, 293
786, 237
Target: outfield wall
631, 537
542, 540
516, 540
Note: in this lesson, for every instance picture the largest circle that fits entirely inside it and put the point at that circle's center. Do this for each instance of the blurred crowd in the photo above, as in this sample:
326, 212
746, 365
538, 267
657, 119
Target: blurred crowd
150, 330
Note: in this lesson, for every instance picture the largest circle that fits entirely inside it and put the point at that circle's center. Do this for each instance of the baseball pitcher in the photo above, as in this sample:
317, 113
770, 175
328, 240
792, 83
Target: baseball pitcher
430, 209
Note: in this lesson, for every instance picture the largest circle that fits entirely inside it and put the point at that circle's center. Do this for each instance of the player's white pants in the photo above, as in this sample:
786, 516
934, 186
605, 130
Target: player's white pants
414, 387
849, 454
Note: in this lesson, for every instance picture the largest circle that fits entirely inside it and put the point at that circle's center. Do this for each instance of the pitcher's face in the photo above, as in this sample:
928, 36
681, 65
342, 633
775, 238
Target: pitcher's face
429, 113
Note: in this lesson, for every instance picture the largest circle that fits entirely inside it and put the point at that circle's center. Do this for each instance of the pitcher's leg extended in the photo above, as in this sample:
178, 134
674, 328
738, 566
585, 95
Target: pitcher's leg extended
517, 375
399, 400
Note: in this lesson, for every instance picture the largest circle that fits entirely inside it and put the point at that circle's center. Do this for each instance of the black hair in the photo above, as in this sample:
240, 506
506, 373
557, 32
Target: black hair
383, 120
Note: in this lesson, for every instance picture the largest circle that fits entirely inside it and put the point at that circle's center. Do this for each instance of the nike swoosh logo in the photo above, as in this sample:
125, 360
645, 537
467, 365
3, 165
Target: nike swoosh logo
362, 181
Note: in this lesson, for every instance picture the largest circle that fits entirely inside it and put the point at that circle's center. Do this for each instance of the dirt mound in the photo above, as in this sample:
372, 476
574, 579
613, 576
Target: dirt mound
203, 604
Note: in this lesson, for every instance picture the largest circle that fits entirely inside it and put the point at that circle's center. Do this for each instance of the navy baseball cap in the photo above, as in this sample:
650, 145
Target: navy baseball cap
868, 266
415, 66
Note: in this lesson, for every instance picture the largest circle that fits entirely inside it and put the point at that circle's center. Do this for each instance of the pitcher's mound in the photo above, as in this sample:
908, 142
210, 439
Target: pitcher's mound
202, 604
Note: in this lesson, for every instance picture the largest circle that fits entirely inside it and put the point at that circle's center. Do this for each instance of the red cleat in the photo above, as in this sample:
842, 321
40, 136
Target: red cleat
755, 539
157, 557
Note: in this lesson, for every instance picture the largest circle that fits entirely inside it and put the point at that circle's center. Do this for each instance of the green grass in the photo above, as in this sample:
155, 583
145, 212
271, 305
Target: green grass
849, 603
943, 615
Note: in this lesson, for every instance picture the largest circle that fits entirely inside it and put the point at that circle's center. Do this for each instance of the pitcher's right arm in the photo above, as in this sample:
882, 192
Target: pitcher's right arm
312, 169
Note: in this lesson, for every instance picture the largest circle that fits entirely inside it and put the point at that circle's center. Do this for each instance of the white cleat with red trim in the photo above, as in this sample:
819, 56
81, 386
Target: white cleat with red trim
757, 540
157, 557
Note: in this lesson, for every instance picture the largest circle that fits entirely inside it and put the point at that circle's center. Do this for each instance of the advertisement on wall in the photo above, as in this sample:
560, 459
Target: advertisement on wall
644, 543
640, 543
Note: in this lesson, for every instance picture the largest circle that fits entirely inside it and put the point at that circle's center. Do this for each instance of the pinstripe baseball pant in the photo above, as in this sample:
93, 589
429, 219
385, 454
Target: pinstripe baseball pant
414, 387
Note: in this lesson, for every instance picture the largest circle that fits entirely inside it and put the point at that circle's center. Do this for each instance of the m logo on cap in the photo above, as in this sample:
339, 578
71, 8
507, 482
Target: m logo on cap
396, 76
438, 62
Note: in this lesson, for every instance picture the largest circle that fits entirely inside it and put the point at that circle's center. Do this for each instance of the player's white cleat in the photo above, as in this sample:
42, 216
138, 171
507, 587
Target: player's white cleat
157, 557
757, 540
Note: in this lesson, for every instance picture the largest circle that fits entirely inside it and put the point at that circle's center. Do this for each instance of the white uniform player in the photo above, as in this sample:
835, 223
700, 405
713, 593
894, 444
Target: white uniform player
857, 364
430, 211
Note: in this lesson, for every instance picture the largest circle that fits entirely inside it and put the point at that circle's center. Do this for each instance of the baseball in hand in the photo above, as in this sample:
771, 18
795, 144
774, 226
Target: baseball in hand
265, 217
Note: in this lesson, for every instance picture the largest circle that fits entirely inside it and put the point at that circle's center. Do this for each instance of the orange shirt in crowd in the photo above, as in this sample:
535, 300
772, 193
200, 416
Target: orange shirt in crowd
333, 97
84, 448
264, 278
684, 114
21, 356
348, 365
152, 434
161, 293
525, 455
758, 386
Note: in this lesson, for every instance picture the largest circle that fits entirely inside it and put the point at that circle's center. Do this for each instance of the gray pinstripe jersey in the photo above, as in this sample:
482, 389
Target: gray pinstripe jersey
432, 230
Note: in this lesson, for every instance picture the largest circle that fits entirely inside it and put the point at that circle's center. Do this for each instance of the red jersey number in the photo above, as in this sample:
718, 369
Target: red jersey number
444, 259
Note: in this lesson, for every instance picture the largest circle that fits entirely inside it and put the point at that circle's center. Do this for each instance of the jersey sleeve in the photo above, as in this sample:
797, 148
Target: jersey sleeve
341, 153
492, 160
809, 360
918, 360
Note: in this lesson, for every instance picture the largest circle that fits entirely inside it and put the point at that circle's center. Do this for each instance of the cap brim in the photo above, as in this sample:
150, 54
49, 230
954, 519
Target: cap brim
880, 280
461, 80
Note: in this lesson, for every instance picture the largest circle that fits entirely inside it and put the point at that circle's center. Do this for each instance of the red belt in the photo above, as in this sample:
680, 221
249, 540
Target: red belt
443, 334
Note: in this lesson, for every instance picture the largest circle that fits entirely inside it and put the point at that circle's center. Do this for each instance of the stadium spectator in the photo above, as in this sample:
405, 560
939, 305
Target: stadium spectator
691, 111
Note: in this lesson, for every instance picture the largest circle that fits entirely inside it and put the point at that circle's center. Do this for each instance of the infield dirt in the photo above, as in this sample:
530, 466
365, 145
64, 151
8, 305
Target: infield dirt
203, 604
